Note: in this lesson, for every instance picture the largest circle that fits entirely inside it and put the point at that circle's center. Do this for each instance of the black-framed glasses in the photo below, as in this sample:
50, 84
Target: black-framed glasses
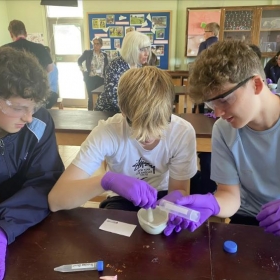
225, 98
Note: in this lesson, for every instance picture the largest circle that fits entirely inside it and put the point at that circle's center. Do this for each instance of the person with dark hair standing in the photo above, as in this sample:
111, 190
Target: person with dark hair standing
96, 63
18, 34
29, 160
272, 68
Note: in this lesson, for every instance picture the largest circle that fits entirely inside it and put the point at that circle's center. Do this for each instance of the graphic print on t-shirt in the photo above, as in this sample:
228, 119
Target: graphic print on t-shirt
143, 168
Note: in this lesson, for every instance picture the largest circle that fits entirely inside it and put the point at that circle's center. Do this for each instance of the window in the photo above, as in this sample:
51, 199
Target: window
59, 12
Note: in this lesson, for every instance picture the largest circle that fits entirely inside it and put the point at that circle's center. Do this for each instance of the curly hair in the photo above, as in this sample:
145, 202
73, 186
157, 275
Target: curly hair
229, 61
21, 75
146, 97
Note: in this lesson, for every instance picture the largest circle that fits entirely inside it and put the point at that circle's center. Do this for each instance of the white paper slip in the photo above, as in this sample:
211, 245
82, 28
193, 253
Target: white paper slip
118, 227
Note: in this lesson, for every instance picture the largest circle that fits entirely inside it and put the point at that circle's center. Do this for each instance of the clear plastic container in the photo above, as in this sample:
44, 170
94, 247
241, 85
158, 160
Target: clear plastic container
179, 210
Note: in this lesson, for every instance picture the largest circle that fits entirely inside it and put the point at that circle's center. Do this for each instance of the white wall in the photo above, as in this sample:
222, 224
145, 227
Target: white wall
31, 13
4, 22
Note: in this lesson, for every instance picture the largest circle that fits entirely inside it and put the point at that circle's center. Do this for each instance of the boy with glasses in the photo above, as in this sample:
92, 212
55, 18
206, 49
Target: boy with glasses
29, 159
229, 77
148, 150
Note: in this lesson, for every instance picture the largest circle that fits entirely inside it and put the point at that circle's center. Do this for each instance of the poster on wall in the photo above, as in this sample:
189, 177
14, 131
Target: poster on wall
112, 28
35, 38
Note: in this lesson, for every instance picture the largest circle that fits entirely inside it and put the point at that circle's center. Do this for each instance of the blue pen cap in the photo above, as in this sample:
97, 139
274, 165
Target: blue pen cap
230, 247
100, 265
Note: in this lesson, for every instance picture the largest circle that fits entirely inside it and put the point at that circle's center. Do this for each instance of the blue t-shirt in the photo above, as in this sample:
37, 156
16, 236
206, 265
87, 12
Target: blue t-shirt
249, 158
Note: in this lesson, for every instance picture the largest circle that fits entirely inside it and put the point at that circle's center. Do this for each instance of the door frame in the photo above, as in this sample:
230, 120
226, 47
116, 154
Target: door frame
66, 58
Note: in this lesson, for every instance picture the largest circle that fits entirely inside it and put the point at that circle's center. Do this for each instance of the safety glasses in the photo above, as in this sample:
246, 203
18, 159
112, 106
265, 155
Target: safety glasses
228, 98
16, 110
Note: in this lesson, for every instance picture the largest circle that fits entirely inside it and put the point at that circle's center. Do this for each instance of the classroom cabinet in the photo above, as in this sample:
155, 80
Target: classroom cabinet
268, 37
238, 24
259, 25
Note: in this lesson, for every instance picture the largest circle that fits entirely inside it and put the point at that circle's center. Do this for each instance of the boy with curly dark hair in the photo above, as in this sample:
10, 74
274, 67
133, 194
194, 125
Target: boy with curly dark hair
29, 160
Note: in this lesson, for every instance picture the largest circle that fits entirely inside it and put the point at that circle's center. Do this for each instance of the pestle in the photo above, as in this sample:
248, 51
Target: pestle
150, 215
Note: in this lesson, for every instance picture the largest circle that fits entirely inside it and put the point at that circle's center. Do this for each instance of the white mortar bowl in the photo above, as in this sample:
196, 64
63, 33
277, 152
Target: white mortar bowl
272, 86
159, 223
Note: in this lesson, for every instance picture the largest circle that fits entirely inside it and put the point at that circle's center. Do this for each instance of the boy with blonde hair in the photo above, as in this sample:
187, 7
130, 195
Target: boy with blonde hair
229, 77
148, 150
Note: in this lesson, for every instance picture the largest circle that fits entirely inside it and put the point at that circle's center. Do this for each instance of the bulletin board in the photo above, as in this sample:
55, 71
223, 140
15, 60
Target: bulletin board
112, 27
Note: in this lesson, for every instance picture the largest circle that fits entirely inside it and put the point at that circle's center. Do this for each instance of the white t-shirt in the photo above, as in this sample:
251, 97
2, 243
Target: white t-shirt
174, 156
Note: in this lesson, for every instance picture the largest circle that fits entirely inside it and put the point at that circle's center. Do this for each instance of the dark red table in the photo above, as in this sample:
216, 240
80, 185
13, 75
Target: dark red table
73, 236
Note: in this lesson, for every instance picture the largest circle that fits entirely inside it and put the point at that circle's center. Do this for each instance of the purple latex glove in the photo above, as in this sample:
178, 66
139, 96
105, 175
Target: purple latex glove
268, 81
174, 221
139, 192
172, 196
206, 204
269, 217
3, 247
210, 115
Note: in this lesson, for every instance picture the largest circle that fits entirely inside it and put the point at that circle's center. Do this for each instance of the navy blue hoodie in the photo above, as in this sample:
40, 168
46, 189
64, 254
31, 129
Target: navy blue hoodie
29, 167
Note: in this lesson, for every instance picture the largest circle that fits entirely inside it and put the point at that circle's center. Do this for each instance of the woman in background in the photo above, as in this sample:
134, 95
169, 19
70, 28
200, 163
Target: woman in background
272, 68
96, 63
135, 52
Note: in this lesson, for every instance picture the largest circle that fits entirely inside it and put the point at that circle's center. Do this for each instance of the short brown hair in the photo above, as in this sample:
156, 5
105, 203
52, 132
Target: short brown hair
17, 27
22, 75
214, 27
229, 61
146, 97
